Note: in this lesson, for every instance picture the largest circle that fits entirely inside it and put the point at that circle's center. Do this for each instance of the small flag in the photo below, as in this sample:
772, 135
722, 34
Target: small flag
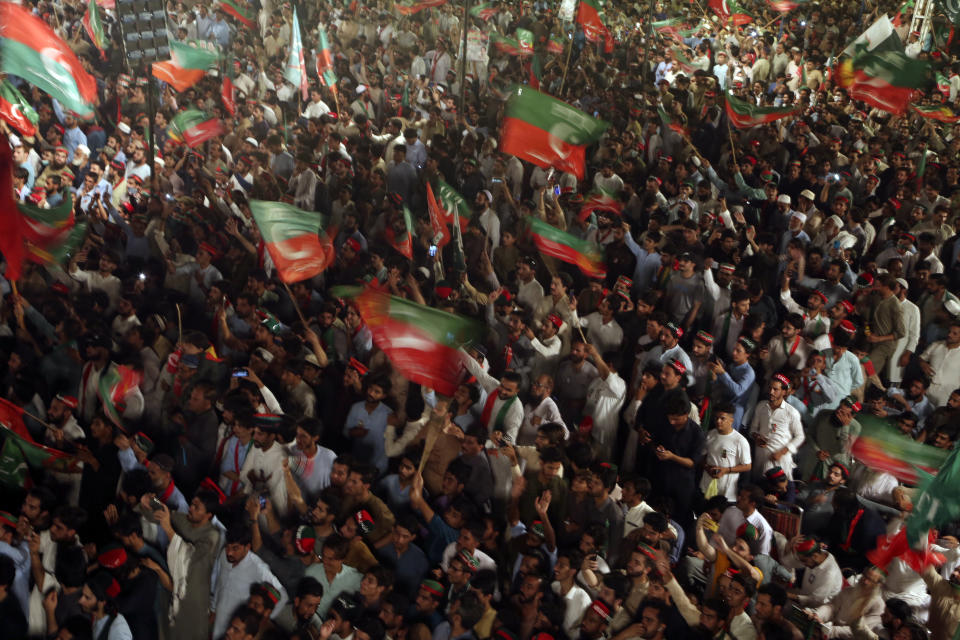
94, 28
525, 40
556, 45
325, 63
194, 127
940, 113
297, 243
416, 7
16, 111
296, 71
744, 115
484, 10
228, 93
241, 12
180, 79
401, 239
730, 10
561, 245
194, 54
113, 386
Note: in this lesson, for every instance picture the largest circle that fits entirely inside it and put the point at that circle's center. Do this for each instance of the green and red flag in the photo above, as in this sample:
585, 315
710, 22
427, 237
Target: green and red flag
325, 62
11, 417
879, 36
113, 387
94, 27
399, 238
31, 50
525, 40
417, 7
902, 11
600, 200
44, 230
938, 112
16, 111
536, 71
883, 448
669, 122
453, 204
744, 115
194, 54
548, 132
556, 44
421, 342
682, 60
61, 248
883, 79
567, 248
439, 219
731, 10
194, 127
505, 45
785, 6
296, 240
484, 10
588, 16
241, 12
18, 456
943, 84
180, 79
296, 69
228, 93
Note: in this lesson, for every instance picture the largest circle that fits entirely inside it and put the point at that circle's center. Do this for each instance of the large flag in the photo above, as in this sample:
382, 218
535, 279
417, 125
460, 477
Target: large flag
882, 448
588, 16
194, 127
43, 227
297, 243
19, 455
880, 36
938, 112
548, 132
505, 45
31, 50
11, 224
241, 12
61, 248
744, 115
416, 7
421, 342
296, 71
883, 79
484, 10
16, 111
94, 28
731, 10
325, 62
194, 54
179, 79
567, 248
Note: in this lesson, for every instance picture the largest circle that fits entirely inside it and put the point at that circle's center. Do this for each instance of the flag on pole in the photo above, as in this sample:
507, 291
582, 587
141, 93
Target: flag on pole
94, 28
902, 11
325, 62
18, 456
180, 79
16, 111
61, 248
588, 16
11, 417
731, 10
882, 448
416, 7
31, 50
744, 115
421, 342
194, 54
525, 40
883, 79
241, 12
880, 36
296, 71
548, 132
600, 200
505, 45
295, 238
44, 227
453, 204
556, 44
561, 245
670, 123
438, 219
194, 127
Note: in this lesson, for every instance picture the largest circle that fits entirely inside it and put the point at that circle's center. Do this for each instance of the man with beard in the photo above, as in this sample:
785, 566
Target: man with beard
262, 471
97, 602
776, 430
768, 609
894, 623
300, 614
842, 612
502, 410
367, 422
573, 378
539, 409
191, 553
651, 621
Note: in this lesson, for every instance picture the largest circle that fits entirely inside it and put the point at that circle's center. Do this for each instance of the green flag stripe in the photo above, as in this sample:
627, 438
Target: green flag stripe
555, 117
279, 221
49, 75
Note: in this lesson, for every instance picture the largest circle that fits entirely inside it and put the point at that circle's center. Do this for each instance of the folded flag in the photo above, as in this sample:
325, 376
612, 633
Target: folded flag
194, 127
240, 11
16, 111
421, 342
548, 132
940, 113
588, 16
882, 448
744, 115
32, 51
561, 245
18, 456
180, 79
94, 27
295, 238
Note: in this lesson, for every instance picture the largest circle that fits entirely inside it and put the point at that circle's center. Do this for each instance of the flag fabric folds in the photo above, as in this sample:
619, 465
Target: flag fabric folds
295, 239
16, 111
194, 127
561, 245
744, 115
296, 69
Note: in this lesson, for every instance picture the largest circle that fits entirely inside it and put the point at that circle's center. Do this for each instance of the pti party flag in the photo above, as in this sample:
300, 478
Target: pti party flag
883, 79
600, 200
744, 115
11, 417
505, 45
438, 219
228, 92
883, 448
11, 223
399, 238
548, 132
731, 10
567, 248
296, 240
31, 50
536, 71
669, 122
194, 54
18, 455
943, 84
325, 62
556, 44
682, 60
421, 342
939, 112
296, 71
484, 10
241, 12
59, 249
785, 6
525, 40
902, 11
194, 127
180, 79
43, 226
416, 7
94, 27
453, 203
588, 16
113, 386
16, 111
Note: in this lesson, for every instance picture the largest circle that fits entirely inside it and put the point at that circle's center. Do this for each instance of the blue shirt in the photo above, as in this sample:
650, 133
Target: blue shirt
72, 138
220, 31
846, 373
369, 447
735, 384
408, 568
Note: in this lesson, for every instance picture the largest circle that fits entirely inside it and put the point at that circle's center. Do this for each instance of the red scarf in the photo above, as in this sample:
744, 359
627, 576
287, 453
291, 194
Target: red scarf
853, 525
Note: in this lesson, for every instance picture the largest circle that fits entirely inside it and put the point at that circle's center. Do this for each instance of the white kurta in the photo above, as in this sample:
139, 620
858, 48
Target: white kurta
946, 371
780, 427
233, 588
911, 326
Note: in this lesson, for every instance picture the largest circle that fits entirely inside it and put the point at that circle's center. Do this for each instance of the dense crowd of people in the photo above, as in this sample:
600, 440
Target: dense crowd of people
666, 451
